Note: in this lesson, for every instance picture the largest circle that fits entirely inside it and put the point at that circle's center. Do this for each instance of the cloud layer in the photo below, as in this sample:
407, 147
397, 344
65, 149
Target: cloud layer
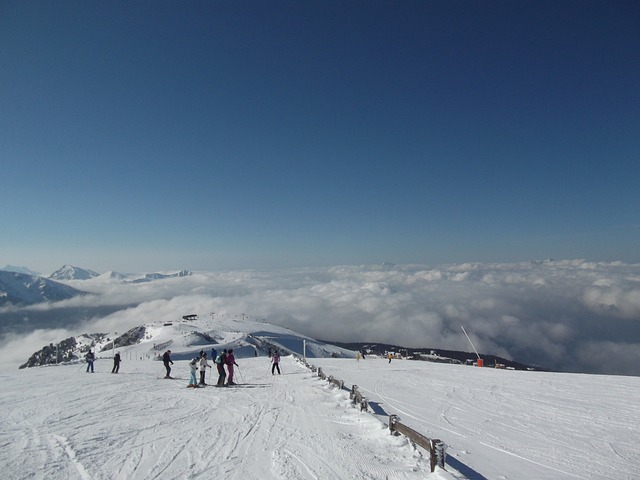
568, 315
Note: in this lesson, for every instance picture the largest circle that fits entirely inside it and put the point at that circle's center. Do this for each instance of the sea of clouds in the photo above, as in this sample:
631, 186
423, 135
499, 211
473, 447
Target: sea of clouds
570, 315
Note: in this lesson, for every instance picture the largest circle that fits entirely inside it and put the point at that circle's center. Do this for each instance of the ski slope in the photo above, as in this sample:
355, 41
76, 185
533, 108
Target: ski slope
62, 423
504, 424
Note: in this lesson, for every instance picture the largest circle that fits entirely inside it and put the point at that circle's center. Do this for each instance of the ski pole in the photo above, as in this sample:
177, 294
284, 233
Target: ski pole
241, 377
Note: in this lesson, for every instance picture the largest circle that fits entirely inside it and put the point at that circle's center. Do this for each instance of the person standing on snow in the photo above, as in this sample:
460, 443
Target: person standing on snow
116, 363
230, 361
203, 368
193, 367
275, 359
166, 359
90, 357
220, 361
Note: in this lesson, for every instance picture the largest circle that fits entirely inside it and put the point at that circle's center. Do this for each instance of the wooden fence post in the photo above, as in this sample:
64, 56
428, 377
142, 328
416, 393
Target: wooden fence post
439, 448
392, 424
356, 397
435, 447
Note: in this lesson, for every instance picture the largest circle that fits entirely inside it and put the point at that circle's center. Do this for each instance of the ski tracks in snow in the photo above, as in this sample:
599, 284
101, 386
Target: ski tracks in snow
292, 441
555, 426
71, 454
135, 427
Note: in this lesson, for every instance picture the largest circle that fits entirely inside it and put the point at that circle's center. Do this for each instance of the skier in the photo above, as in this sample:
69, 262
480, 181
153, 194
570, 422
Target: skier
166, 359
116, 363
275, 359
90, 357
193, 366
203, 368
220, 361
214, 354
357, 356
231, 361
389, 356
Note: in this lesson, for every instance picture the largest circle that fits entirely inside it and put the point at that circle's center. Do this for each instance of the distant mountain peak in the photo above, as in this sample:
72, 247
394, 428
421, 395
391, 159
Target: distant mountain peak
149, 277
69, 272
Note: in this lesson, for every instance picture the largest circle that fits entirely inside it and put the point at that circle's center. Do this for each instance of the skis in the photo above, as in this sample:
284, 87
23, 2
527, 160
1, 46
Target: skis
249, 385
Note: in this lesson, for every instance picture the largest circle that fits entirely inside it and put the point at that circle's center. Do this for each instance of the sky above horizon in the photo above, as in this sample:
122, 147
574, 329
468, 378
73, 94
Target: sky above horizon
219, 135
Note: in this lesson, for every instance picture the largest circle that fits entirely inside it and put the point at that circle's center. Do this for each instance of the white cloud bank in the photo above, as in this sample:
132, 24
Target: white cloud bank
568, 315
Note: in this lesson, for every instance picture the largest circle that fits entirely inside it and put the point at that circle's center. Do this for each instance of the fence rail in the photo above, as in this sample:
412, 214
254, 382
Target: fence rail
435, 447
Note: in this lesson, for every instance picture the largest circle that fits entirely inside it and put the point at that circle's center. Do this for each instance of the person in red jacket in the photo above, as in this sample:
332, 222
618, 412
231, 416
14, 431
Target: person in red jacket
230, 361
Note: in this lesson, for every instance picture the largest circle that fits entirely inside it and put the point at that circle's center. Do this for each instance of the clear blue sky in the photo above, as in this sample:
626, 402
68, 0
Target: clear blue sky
156, 135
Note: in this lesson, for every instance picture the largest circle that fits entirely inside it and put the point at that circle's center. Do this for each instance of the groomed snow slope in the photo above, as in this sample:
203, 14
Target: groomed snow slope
63, 423
504, 424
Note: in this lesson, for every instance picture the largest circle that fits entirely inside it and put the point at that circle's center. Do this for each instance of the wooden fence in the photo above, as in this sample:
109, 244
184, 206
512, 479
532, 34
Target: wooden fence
435, 447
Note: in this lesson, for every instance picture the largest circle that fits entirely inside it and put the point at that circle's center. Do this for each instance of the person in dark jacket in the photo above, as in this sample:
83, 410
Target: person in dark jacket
275, 358
220, 362
90, 358
116, 363
166, 359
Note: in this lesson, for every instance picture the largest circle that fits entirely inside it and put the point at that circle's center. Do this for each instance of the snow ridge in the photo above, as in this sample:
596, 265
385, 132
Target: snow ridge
187, 338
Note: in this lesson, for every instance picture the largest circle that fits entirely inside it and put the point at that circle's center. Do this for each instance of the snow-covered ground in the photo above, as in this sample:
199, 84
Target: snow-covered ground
62, 423
504, 424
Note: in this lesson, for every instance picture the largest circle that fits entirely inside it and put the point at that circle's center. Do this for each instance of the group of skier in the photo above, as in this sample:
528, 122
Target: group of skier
199, 364
226, 358
90, 357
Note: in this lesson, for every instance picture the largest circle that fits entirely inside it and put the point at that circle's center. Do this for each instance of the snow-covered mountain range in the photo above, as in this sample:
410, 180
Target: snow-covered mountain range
23, 289
149, 277
70, 272
26, 289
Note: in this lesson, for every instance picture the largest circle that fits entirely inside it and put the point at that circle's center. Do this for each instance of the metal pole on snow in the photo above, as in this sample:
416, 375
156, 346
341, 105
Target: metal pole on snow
474, 348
